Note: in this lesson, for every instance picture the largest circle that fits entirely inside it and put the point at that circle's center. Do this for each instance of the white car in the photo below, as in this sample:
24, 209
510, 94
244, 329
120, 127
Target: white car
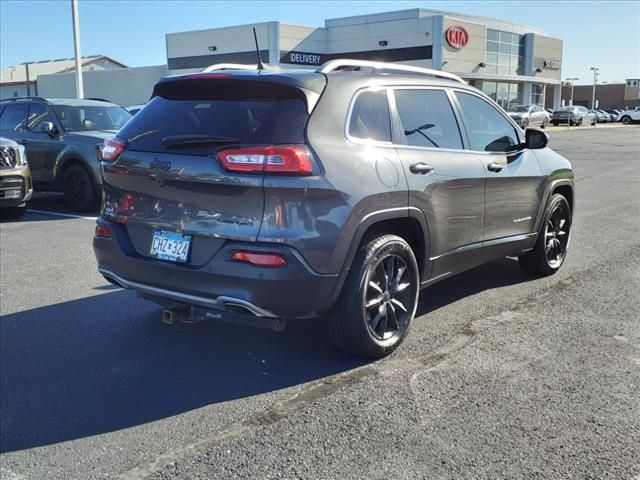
630, 116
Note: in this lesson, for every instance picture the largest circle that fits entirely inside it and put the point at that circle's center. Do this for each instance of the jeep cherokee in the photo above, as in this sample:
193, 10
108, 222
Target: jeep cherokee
260, 195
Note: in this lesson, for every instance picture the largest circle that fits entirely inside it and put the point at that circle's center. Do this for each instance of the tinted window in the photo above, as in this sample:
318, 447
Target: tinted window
428, 119
38, 113
487, 129
86, 118
13, 116
248, 113
370, 117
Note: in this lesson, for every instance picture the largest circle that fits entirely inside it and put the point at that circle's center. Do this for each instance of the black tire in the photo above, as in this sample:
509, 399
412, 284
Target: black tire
547, 257
525, 124
352, 324
79, 192
545, 123
579, 122
626, 120
12, 213
555, 124
593, 122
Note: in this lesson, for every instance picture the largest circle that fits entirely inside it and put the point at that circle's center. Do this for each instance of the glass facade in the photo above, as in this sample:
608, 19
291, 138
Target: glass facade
504, 94
537, 94
505, 53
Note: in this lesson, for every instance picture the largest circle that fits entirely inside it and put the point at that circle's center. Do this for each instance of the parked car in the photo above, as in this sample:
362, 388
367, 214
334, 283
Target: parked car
15, 179
133, 109
601, 117
254, 196
575, 115
529, 116
60, 137
614, 113
630, 116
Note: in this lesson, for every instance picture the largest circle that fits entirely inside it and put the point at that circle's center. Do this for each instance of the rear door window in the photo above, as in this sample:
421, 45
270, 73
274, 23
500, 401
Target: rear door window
240, 114
427, 118
13, 116
370, 117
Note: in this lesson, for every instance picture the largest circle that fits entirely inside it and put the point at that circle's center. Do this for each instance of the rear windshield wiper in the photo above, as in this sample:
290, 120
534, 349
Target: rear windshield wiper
194, 140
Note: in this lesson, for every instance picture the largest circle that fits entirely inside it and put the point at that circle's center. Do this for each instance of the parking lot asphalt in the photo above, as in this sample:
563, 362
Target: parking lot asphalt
502, 376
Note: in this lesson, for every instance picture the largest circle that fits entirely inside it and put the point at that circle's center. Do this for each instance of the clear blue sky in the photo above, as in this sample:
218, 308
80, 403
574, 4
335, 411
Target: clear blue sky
602, 33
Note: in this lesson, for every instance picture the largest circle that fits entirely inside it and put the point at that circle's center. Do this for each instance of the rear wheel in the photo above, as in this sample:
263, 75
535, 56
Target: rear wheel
12, 213
550, 249
555, 124
579, 122
379, 299
79, 194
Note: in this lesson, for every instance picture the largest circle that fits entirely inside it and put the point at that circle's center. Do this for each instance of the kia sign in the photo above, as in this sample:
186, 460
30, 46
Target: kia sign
457, 37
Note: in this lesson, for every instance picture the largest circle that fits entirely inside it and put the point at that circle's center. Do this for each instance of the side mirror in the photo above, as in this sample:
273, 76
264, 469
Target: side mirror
48, 128
535, 139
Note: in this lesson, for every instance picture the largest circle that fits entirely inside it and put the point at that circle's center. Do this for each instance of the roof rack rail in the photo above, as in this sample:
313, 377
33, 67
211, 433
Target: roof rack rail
229, 66
333, 65
12, 99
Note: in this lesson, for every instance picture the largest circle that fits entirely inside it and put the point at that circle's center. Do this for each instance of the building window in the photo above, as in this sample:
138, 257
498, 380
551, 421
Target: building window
537, 94
504, 94
505, 53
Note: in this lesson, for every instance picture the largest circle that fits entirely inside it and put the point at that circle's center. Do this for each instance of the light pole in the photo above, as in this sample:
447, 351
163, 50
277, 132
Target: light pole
571, 80
76, 46
595, 80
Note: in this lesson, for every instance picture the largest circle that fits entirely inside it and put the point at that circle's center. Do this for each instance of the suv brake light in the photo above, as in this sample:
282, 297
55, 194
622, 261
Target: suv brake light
112, 148
286, 159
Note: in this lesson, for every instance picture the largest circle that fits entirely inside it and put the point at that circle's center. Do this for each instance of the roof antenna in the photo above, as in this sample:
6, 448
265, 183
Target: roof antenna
255, 37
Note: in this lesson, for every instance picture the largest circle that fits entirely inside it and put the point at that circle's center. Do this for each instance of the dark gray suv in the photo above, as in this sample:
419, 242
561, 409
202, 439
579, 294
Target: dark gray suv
60, 137
261, 196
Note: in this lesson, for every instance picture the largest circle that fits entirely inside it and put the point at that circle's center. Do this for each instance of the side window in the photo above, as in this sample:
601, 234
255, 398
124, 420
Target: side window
13, 116
38, 113
370, 117
488, 130
427, 118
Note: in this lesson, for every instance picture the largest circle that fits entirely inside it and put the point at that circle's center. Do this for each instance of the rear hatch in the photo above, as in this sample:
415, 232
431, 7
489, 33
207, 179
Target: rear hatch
192, 162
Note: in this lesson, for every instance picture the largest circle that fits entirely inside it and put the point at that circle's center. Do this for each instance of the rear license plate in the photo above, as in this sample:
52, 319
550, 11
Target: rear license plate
172, 246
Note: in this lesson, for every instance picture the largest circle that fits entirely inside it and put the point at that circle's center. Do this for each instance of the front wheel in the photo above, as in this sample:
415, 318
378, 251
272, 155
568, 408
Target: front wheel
79, 194
550, 249
626, 120
545, 123
379, 299
579, 122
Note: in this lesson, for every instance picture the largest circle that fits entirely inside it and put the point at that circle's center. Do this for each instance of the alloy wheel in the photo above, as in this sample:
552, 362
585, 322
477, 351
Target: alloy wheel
77, 187
388, 297
556, 237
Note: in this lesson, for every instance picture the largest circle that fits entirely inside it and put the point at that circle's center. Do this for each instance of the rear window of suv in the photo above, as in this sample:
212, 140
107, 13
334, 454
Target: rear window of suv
244, 112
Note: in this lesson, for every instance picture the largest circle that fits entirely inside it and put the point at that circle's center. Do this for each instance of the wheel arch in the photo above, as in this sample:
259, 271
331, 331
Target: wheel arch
67, 162
408, 223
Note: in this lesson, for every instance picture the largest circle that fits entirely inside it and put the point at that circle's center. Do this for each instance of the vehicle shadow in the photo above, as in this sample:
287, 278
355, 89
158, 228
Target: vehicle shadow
106, 362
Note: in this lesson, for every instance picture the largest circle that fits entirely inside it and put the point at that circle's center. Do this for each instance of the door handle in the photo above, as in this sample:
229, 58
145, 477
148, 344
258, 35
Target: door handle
421, 168
495, 167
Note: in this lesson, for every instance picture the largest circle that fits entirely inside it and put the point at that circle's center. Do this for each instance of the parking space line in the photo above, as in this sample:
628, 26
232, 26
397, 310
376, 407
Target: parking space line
69, 215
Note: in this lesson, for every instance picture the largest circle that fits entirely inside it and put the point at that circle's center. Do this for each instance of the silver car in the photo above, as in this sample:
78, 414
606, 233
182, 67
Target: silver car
529, 116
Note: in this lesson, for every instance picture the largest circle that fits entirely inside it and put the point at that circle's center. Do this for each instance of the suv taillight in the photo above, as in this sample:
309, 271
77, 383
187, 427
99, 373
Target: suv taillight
112, 148
285, 159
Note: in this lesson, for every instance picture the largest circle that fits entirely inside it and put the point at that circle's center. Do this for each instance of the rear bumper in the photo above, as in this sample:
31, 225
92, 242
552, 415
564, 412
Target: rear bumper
292, 291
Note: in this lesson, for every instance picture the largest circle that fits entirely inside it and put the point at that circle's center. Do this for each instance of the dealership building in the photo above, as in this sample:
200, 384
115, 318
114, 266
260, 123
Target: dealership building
512, 63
